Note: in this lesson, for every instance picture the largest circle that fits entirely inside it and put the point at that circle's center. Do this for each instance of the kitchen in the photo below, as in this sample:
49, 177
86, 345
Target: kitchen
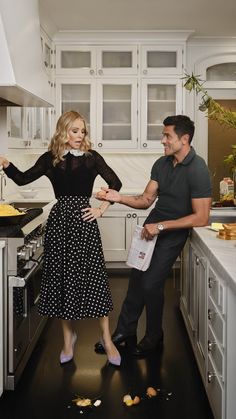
64, 81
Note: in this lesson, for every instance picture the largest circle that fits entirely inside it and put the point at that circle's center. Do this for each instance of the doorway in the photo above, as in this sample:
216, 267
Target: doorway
220, 140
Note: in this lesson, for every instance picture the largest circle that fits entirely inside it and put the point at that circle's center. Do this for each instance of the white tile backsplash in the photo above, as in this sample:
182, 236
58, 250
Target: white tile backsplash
132, 169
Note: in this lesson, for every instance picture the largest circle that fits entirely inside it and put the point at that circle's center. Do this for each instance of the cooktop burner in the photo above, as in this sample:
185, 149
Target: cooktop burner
16, 230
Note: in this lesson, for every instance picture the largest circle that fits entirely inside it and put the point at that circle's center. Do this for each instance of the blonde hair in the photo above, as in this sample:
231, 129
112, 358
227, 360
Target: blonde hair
58, 142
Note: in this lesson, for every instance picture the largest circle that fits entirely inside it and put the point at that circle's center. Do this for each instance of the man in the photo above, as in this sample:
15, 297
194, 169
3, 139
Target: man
180, 180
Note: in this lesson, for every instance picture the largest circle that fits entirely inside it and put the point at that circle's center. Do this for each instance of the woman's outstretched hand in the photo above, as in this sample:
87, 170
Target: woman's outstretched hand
4, 163
107, 194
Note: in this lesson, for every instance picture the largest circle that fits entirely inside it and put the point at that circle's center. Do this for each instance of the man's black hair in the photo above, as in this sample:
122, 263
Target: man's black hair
182, 125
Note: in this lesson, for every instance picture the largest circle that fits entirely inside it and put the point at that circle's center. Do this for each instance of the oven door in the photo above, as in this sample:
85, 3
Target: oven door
23, 319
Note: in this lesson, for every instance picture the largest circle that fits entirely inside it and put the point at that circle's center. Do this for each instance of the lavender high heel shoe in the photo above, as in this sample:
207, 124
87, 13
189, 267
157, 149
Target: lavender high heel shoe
67, 358
114, 360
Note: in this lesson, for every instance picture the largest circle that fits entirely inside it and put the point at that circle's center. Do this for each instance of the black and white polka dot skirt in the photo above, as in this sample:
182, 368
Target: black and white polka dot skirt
75, 282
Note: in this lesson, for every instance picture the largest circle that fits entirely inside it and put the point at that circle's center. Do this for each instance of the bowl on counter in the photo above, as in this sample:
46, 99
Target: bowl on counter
28, 193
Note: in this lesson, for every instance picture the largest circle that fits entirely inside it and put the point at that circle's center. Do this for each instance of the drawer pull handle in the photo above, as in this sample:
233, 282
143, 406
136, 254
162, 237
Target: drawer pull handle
134, 215
128, 215
210, 375
211, 282
210, 314
210, 345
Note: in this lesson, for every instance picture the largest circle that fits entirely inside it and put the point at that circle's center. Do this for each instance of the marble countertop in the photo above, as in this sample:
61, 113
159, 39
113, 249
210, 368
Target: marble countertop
221, 253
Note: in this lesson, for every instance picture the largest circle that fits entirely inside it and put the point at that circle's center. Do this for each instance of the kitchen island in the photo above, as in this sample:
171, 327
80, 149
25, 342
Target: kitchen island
208, 306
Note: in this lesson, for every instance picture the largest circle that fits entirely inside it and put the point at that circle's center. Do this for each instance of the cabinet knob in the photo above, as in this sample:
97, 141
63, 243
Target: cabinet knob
211, 281
144, 71
210, 345
144, 145
197, 261
100, 72
210, 375
91, 71
210, 314
134, 215
99, 144
128, 215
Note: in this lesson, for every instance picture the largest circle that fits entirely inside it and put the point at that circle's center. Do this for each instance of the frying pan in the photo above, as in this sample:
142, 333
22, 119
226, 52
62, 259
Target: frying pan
6, 220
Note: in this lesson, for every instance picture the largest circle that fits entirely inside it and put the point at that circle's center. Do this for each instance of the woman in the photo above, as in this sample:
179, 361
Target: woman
74, 283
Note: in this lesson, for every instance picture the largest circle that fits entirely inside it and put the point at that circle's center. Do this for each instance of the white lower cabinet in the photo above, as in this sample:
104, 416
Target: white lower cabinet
193, 300
2, 245
208, 307
116, 228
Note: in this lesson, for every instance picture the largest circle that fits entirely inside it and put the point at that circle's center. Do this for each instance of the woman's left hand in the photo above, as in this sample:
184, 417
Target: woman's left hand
91, 214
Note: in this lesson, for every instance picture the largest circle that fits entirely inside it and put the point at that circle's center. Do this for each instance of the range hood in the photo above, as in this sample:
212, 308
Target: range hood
23, 81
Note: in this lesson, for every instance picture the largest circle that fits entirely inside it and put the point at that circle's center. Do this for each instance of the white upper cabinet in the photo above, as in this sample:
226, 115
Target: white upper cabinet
75, 60
161, 60
78, 95
108, 105
96, 61
124, 84
120, 60
117, 114
29, 128
159, 99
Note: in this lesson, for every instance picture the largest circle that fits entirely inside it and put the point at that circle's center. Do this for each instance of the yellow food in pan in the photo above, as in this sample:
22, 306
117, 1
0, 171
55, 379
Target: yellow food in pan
9, 210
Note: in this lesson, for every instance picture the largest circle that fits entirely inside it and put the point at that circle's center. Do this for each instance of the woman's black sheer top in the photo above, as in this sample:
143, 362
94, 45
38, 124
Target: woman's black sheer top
74, 175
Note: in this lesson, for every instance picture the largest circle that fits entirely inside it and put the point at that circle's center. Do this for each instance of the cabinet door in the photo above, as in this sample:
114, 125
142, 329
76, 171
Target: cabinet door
2, 244
78, 95
185, 277
116, 232
15, 126
116, 60
76, 60
193, 292
117, 114
47, 53
159, 99
47, 126
201, 279
161, 60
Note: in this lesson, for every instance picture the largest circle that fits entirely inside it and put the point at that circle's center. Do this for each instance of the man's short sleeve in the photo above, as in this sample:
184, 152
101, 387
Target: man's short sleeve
156, 170
199, 179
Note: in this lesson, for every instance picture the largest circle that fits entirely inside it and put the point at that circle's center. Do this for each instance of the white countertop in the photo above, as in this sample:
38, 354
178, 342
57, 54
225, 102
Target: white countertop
221, 253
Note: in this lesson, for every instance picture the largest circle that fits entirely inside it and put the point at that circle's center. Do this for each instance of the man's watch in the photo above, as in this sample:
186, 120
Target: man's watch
160, 227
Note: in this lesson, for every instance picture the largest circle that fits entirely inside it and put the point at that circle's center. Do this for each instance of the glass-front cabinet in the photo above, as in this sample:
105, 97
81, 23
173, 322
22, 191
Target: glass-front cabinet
159, 99
161, 60
124, 90
78, 95
117, 114
15, 122
29, 127
96, 61
75, 60
109, 107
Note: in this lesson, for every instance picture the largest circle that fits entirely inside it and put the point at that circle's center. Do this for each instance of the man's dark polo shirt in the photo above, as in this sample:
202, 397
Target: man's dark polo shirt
177, 185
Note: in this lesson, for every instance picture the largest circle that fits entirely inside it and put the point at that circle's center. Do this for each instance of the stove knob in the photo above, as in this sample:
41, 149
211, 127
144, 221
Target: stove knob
24, 253
33, 243
30, 247
21, 253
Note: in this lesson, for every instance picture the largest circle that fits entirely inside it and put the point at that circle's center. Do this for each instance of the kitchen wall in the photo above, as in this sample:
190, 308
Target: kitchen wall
133, 170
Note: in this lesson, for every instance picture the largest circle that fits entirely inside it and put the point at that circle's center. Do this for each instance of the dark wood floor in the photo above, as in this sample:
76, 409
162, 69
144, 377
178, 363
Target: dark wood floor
46, 390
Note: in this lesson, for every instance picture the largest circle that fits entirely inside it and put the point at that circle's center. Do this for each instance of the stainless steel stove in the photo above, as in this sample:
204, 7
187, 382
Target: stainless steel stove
23, 259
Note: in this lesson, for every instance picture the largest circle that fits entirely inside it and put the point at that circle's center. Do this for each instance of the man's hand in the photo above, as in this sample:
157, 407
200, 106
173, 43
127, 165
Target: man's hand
149, 231
107, 194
